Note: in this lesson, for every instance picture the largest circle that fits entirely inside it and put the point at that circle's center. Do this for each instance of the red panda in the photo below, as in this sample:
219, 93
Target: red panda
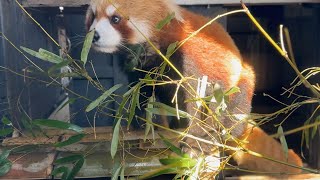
210, 53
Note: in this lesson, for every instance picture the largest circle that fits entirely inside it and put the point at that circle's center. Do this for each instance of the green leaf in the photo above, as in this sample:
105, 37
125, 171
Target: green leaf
115, 139
172, 147
49, 56
4, 155
129, 92
167, 110
5, 132
70, 101
233, 90
76, 168
104, 96
57, 124
29, 51
69, 159
44, 55
122, 105
115, 176
5, 167
315, 128
181, 162
122, 174
283, 141
72, 140
6, 121
86, 47
218, 94
64, 170
165, 21
27, 124
59, 66
171, 48
25, 149
134, 103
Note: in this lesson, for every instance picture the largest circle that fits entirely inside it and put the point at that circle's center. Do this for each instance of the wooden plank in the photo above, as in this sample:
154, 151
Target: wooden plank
54, 3
30, 166
79, 3
102, 136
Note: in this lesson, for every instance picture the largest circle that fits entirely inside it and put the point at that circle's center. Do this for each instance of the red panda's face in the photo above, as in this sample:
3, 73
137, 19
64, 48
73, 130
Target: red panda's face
119, 22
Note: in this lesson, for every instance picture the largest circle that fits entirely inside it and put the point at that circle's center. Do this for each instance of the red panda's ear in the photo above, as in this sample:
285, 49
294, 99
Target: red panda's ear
89, 19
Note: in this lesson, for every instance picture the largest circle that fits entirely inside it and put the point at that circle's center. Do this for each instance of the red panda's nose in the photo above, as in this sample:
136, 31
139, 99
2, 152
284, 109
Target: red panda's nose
96, 37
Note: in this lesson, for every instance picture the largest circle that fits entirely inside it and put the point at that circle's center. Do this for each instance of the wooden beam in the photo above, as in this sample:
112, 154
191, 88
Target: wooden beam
54, 3
80, 3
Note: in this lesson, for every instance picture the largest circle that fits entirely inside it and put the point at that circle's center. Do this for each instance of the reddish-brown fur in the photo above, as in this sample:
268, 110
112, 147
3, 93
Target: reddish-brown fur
213, 53
255, 139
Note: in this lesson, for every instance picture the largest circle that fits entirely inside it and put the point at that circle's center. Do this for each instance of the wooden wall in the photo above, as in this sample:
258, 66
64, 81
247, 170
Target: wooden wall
24, 95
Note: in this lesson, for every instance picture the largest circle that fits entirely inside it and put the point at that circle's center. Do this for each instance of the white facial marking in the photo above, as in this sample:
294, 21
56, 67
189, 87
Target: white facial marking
139, 28
93, 25
110, 10
109, 39
176, 9
236, 67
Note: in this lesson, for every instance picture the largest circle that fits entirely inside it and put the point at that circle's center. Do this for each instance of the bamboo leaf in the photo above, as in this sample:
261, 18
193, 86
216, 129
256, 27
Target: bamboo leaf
171, 48
5, 132
233, 90
315, 128
4, 155
70, 101
76, 168
59, 66
72, 140
134, 103
69, 159
122, 174
43, 55
5, 167
181, 162
104, 96
115, 176
49, 56
172, 147
57, 124
6, 121
115, 139
165, 21
87, 46
171, 109
167, 110
283, 141
129, 92
64, 170
30, 51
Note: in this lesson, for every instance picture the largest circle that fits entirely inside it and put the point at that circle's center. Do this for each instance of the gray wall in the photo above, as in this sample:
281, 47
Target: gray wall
24, 95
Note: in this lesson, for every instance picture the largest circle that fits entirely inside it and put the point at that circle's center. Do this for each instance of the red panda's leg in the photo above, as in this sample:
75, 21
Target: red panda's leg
239, 106
201, 126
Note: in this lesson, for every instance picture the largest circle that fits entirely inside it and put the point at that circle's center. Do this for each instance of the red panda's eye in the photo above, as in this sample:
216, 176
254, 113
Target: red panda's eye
115, 19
